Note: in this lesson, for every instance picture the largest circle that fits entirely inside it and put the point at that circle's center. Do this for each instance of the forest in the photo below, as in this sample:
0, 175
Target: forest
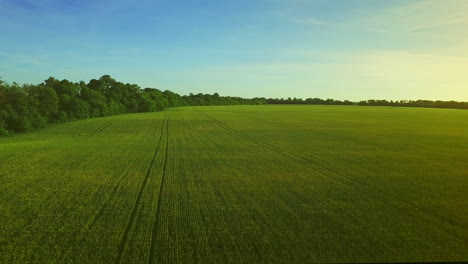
27, 107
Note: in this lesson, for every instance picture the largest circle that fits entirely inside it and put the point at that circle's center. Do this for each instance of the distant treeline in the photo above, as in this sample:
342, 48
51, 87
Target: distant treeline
416, 103
27, 107
401, 103
308, 101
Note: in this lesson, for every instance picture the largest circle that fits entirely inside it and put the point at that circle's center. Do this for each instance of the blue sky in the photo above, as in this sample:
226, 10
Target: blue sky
342, 49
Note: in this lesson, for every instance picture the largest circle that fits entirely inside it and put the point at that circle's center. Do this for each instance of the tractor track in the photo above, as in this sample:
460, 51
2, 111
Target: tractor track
101, 128
101, 211
28, 154
123, 241
152, 254
30, 221
376, 194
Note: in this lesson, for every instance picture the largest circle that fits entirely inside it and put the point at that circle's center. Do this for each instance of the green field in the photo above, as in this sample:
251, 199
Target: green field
239, 184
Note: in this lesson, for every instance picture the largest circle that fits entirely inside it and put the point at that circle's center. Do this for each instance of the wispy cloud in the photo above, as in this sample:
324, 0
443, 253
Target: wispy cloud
312, 21
411, 17
307, 20
23, 59
409, 66
418, 16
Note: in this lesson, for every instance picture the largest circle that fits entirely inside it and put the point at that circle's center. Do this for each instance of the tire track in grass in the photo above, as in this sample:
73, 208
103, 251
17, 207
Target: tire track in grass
376, 194
126, 233
30, 220
152, 254
365, 186
102, 127
53, 140
81, 233
95, 218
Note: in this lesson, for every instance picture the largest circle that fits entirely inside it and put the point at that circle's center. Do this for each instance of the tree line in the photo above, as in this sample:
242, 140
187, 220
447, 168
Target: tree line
309, 101
27, 107
416, 103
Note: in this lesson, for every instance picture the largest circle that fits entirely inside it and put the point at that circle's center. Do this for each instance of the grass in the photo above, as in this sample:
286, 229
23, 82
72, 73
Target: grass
239, 184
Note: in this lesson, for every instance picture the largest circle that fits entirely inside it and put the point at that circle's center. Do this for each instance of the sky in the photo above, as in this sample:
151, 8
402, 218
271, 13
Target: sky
341, 49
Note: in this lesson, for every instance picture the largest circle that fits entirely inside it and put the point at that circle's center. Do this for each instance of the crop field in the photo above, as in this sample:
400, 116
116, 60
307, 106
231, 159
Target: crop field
239, 184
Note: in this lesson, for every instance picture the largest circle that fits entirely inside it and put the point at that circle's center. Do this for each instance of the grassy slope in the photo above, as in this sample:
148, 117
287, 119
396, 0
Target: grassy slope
240, 184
